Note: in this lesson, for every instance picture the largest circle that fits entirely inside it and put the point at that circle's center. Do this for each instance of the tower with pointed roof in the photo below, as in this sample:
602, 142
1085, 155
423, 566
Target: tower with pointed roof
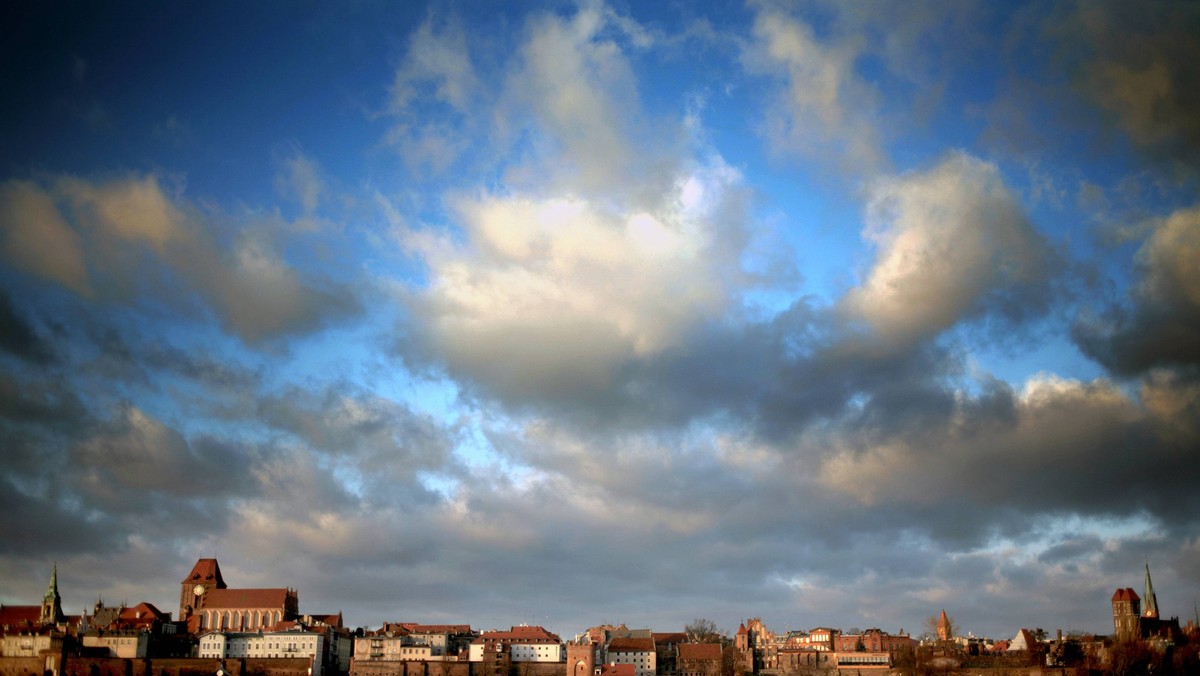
52, 612
205, 576
1150, 609
943, 628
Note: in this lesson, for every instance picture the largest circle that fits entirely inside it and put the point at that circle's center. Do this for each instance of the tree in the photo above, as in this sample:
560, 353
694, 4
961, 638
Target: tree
702, 630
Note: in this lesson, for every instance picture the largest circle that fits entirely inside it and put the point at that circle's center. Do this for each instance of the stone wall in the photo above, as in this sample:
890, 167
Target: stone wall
115, 666
440, 668
22, 666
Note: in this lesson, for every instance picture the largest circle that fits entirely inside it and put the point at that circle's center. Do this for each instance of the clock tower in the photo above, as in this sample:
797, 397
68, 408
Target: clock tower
205, 575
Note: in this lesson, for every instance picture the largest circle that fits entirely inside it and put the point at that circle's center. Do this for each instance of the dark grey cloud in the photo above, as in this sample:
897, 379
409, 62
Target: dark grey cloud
18, 336
1158, 326
1141, 65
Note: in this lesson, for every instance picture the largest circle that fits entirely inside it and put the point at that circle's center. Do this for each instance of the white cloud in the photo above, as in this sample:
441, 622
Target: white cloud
543, 290
300, 179
127, 238
583, 93
1170, 257
950, 241
825, 110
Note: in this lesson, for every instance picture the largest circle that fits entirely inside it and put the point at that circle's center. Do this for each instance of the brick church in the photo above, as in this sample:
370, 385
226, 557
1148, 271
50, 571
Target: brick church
206, 602
1134, 622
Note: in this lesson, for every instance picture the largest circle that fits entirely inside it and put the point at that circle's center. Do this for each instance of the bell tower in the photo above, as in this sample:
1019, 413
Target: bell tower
205, 575
52, 612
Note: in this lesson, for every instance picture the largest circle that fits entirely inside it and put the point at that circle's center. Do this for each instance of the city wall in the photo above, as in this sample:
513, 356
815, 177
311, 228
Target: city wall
437, 668
115, 666
22, 666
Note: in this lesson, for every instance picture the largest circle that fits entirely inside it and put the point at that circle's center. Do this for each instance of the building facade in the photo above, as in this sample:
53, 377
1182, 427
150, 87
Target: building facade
207, 603
269, 644
638, 652
521, 644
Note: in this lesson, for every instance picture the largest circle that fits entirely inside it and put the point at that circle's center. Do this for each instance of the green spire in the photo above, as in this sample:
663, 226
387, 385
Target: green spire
1151, 607
52, 612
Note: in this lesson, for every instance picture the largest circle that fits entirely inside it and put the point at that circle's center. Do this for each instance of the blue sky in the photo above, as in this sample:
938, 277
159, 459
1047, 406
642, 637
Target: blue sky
829, 313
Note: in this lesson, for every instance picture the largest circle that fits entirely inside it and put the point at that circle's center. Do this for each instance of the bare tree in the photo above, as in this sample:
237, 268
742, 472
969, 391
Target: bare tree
702, 630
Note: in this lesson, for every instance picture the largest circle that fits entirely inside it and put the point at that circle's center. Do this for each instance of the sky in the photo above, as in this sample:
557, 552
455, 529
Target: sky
829, 313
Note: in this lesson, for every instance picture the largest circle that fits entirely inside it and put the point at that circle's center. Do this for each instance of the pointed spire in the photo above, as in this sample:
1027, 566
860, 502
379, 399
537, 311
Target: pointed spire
943, 627
1150, 609
52, 612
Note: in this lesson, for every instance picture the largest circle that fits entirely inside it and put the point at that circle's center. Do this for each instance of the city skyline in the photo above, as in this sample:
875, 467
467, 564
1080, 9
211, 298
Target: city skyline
562, 313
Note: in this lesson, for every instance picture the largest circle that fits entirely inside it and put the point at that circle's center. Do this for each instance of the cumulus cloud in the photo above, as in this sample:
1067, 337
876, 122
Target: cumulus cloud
953, 243
137, 456
581, 90
128, 238
1161, 325
437, 73
1056, 447
825, 109
546, 296
1142, 66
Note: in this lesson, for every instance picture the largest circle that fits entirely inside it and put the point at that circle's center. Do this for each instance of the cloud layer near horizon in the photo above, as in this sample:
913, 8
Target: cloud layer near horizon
610, 316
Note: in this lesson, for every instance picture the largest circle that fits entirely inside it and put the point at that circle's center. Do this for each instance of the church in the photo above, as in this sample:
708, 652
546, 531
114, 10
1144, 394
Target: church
206, 602
1134, 622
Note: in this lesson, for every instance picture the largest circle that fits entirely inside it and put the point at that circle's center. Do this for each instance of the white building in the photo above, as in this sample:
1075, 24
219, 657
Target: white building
639, 652
272, 644
124, 644
389, 647
523, 644
30, 644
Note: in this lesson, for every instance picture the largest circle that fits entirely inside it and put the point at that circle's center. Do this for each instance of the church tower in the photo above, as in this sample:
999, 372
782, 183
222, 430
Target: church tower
205, 576
52, 612
943, 628
1151, 607
1126, 606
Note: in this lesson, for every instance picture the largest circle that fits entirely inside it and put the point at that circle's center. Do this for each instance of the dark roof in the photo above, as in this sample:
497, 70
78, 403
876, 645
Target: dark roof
700, 651
631, 645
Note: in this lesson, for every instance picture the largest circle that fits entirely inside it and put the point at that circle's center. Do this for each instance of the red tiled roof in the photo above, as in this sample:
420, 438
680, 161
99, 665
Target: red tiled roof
522, 632
700, 651
245, 598
618, 670
206, 570
669, 637
143, 610
332, 619
631, 645
14, 616
439, 628
1125, 594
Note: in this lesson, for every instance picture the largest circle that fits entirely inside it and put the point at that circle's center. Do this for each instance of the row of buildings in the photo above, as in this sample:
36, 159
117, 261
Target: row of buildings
217, 622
